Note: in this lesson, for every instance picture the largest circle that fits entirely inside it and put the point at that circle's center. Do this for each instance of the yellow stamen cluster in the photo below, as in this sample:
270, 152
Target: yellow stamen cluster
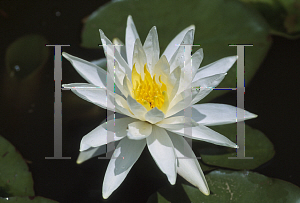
147, 92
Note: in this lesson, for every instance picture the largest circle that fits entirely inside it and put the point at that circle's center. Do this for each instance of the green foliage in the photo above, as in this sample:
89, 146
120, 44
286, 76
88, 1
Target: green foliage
234, 186
257, 146
15, 179
16, 183
26, 55
282, 15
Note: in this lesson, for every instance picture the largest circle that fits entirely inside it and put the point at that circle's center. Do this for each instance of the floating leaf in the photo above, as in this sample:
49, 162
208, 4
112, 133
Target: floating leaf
157, 198
282, 15
218, 24
15, 179
26, 55
205, 167
16, 183
244, 187
257, 146
238, 186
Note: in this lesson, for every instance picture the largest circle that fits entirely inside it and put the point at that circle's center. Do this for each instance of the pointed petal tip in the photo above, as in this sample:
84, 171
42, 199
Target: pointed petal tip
64, 54
206, 192
204, 189
236, 146
78, 161
192, 27
105, 196
172, 180
105, 193
129, 18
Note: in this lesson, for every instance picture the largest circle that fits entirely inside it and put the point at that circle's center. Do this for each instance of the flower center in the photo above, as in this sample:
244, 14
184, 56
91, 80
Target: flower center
147, 91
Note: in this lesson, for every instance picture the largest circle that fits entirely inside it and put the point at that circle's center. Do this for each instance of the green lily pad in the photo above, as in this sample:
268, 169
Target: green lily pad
236, 186
206, 168
244, 187
157, 198
257, 146
27, 199
15, 179
26, 55
282, 15
218, 24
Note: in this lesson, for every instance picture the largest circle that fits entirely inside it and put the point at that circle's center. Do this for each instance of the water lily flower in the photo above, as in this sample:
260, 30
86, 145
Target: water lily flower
150, 92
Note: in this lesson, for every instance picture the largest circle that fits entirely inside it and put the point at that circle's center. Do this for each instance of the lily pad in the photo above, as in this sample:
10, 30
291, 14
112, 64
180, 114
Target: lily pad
257, 145
27, 199
157, 198
282, 15
218, 24
15, 179
206, 168
26, 55
237, 186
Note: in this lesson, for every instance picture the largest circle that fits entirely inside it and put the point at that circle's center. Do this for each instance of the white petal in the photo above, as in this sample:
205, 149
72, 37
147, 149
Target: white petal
197, 58
119, 77
208, 81
139, 57
154, 115
105, 41
102, 63
217, 67
120, 47
176, 123
174, 79
182, 104
130, 37
118, 73
90, 153
98, 136
188, 166
90, 93
126, 154
139, 130
162, 68
162, 151
151, 47
178, 57
136, 108
210, 114
171, 48
89, 71
114, 54
206, 84
206, 134
122, 106
185, 77
189, 70
127, 86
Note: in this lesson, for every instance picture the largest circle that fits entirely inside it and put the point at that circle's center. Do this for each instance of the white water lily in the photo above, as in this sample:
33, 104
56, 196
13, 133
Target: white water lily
150, 92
